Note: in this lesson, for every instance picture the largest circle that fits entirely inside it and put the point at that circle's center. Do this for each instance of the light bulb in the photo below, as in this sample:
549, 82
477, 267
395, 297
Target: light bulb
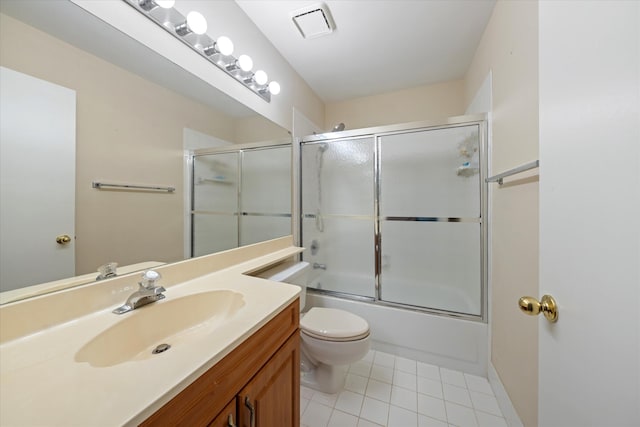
166, 4
260, 77
274, 87
196, 22
224, 45
245, 63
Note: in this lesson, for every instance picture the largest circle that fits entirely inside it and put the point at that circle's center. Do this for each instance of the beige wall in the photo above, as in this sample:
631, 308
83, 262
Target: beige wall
129, 131
509, 48
420, 103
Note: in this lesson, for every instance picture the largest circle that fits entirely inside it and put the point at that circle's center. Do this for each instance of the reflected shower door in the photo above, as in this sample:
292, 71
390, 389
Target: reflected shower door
215, 203
265, 197
338, 214
430, 221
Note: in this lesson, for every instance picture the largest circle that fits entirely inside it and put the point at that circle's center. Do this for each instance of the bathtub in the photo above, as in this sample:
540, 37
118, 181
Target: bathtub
448, 342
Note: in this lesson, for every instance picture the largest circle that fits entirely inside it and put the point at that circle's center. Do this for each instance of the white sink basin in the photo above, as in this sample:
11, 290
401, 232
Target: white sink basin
170, 321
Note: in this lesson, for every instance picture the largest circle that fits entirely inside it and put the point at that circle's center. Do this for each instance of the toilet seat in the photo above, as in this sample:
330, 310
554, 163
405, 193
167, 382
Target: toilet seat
330, 324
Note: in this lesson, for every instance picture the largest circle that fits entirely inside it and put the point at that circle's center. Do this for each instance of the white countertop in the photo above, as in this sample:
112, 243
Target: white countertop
41, 383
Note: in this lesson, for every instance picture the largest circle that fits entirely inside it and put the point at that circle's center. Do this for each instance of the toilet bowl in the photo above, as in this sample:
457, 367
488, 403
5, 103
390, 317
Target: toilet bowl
331, 339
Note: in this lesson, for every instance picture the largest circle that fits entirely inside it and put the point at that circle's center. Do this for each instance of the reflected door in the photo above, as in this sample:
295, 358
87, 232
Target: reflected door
37, 194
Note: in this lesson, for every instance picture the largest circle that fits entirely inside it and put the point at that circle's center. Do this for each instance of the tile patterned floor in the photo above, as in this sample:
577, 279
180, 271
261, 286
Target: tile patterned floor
386, 390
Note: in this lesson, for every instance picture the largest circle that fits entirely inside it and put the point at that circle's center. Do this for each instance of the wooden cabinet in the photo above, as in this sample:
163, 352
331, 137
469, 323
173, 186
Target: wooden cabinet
262, 372
272, 397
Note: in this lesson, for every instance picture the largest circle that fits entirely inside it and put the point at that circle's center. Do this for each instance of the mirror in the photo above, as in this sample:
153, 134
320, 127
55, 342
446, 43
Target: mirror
134, 112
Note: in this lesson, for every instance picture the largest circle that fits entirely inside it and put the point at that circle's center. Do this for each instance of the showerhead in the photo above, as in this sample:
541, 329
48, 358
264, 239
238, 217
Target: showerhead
337, 128
323, 147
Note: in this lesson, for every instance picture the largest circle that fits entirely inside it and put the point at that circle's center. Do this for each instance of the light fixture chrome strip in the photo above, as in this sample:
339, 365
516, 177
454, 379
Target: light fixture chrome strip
176, 24
429, 219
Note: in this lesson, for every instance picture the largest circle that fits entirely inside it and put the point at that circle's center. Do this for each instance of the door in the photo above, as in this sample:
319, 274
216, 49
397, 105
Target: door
37, 182
272, 397
589, 361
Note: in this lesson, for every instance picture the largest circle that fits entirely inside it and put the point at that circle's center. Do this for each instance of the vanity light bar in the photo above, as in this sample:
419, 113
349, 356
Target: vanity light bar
191, 30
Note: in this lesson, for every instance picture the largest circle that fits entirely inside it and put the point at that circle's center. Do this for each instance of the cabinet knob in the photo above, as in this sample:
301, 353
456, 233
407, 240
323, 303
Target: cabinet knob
230, 422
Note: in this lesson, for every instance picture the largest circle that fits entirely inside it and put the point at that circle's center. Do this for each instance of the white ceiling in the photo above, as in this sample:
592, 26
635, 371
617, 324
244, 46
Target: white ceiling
378, 45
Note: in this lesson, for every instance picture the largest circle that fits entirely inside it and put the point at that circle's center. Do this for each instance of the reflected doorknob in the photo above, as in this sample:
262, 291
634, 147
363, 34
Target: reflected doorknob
63, 239
547, 305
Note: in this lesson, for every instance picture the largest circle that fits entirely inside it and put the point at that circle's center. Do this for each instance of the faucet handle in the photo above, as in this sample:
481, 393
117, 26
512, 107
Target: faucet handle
149, 279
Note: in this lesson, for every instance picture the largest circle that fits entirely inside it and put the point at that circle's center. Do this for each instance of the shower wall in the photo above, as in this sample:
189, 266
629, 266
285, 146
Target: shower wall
240, 197
394, 216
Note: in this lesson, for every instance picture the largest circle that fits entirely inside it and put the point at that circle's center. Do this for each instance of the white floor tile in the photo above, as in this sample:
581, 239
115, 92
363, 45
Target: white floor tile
485, 403
400, 417
303, 404
349, 402
432, 407
356, 383
306, 392
404, 398
488, 420
457, 395
460, 416
316, 415
430, 387
383, 390
324, 398
406, 365
375, 411
342, 419
379, 390
369, 356
428, 371
405, 380
384, 359
453, 377
424, 421
365, 423
479, 384
382, 373
360, 368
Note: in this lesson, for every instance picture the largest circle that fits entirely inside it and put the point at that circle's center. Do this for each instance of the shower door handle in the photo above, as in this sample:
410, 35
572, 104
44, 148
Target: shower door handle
547, 306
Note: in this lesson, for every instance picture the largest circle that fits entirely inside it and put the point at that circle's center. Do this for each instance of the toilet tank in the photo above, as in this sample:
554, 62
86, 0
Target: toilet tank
293, 272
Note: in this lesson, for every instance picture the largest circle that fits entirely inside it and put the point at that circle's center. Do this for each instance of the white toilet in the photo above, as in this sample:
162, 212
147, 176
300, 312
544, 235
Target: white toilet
331, 338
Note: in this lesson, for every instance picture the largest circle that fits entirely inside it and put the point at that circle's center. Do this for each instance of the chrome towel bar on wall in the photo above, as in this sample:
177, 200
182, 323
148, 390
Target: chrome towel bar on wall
101, 185
525, 167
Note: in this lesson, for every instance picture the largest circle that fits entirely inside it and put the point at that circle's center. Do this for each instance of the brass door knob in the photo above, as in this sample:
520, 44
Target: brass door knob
63, 239
547, 305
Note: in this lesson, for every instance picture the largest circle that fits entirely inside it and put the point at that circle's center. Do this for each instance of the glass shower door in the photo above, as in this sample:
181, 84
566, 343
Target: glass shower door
430, 220
265, 196
215, 203
338, 214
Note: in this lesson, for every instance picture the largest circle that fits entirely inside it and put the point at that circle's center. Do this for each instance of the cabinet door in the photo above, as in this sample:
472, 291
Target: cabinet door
226, 418
272, 397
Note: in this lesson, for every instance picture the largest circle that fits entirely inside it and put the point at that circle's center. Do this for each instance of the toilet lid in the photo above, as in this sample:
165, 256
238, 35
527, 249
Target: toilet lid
333, 324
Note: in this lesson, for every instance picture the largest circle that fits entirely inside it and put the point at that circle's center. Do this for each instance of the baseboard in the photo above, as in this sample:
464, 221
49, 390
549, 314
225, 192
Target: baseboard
508, 411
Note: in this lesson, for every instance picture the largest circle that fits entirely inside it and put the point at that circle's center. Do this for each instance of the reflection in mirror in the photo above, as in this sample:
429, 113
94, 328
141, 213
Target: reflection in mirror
133, 111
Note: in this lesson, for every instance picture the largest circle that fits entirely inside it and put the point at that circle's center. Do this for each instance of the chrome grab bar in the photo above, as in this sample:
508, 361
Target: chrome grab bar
498, 178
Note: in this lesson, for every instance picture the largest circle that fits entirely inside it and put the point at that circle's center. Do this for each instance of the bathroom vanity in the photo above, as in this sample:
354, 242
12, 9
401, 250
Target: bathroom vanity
66, 359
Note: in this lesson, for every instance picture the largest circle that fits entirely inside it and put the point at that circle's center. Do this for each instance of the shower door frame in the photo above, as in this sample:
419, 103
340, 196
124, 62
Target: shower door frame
481, 120
240, 149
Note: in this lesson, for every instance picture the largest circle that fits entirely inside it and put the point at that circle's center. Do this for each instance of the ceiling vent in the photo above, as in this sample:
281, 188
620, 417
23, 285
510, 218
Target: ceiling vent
313, 21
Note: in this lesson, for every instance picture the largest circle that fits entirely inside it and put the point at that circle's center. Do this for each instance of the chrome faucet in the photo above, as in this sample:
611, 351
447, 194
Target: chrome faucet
107, 271
317, 266
147, 293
